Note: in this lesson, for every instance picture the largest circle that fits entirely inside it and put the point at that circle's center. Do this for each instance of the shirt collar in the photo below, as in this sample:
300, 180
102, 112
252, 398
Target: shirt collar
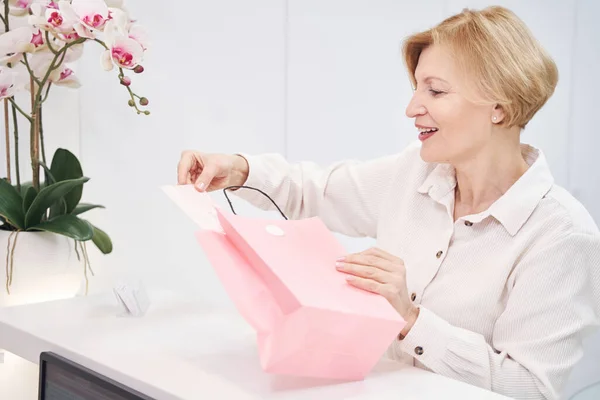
516, 205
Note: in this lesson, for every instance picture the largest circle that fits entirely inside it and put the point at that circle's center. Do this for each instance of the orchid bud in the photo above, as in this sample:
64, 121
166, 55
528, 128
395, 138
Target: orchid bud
131, 103
138, 69
125, 81
147, 112
144, 101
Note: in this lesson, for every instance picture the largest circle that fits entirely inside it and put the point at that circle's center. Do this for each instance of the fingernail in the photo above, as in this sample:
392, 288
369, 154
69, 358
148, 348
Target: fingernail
339, 265
201, 186
341, 259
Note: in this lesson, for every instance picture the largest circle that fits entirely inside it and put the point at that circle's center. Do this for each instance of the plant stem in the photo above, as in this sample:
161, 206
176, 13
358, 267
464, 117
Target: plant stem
29, 70
47, 92
41, 133
5, 19
48, 43
7, 134
16, 128
27, 116
61, 53
131, 94
34, 137
102, 43
41, 129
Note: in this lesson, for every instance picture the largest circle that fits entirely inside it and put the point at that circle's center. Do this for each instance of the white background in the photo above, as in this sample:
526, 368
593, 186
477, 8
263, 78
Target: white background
311, 79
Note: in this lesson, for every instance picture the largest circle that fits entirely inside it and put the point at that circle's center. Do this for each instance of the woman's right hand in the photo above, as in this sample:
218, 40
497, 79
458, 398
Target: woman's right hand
208, 172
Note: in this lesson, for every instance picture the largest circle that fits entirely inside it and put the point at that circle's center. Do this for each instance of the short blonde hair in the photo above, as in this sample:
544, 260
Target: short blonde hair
500, 56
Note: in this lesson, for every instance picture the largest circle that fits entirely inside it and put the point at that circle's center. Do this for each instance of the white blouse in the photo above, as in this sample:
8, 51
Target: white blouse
506, 296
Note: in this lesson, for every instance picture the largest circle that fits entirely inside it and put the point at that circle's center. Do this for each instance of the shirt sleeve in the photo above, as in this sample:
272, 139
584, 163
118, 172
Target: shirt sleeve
553, 305
346, 195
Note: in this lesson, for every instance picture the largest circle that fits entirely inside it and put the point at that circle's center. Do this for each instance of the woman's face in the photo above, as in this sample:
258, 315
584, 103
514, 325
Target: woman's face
452, 128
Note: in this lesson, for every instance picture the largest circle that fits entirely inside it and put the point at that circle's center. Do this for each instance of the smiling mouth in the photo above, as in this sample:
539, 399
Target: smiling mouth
425, 133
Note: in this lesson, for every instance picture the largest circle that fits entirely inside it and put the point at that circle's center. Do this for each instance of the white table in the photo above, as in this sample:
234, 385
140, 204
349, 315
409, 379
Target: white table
182, 350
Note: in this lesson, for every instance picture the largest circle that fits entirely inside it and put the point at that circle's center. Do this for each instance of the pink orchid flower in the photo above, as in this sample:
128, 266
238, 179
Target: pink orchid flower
16, 42
123, 51
40, 63
139, 34
50, 17
8, 84
128, 27
90, 15
37, 39
19, 7
61, 76
65, 77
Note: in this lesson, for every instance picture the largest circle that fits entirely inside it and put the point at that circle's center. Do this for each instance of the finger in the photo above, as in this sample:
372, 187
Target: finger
365, 284
369, 260
186, 162
206, 176
383, 289
364, 271
376, 251
193, 174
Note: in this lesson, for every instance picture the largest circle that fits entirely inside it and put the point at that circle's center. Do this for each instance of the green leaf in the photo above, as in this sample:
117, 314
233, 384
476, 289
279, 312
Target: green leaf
11, 205
30, 195
66, 166
47, 197
58, 208
25, 186
67, 225
101, 240
49, 173
83, 207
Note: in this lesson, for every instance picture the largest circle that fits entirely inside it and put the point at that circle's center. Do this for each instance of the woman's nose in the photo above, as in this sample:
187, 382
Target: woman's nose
415, 107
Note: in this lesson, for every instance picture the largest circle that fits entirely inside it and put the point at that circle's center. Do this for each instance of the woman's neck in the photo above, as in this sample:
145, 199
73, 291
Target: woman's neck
485, 178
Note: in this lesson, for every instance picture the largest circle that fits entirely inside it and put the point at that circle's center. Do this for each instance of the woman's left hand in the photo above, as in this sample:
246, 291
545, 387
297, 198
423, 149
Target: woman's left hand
377, 271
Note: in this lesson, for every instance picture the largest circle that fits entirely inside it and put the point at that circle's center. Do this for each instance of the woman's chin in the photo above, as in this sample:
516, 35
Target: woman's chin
430, 154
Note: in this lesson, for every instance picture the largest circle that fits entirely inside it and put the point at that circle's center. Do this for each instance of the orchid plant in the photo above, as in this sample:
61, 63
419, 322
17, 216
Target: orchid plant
41, 39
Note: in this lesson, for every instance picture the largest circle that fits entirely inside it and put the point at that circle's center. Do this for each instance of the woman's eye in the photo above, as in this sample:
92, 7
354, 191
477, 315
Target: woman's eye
435, 92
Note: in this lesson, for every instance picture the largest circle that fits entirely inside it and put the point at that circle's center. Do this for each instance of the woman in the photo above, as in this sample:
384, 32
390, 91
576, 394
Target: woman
493, 266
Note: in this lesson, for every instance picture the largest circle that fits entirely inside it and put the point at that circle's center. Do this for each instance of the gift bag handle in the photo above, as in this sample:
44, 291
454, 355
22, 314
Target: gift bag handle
253, 188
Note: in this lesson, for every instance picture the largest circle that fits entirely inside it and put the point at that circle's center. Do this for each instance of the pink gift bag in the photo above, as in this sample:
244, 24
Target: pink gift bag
309, 321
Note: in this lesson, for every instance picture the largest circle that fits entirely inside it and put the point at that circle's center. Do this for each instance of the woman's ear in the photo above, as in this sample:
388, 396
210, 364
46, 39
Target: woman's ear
497, 114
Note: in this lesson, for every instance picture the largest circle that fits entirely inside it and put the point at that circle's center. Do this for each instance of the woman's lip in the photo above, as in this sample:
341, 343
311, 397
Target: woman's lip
425, 136
424, 127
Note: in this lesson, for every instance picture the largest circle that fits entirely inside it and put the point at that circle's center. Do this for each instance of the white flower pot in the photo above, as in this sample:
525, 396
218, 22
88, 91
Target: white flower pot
45, 267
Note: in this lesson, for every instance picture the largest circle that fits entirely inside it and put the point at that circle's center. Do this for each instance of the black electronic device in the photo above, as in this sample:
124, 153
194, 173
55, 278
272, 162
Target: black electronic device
63, 379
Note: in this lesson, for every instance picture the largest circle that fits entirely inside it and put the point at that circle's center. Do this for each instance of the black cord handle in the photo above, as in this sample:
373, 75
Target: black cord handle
250, 187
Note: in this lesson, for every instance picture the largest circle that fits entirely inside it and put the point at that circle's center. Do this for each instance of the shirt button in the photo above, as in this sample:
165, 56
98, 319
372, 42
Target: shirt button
418, 350
413, 296
439, 254
468, 223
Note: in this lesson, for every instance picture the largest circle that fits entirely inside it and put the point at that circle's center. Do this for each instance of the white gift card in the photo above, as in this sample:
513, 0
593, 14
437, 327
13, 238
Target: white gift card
196, 205
133, 298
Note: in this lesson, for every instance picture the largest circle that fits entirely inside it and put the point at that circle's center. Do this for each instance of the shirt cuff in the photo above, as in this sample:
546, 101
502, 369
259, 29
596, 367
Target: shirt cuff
257, 178
427, 339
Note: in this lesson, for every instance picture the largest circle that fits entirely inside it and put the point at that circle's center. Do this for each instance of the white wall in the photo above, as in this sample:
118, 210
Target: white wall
583, 145
215, 83
284, 75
